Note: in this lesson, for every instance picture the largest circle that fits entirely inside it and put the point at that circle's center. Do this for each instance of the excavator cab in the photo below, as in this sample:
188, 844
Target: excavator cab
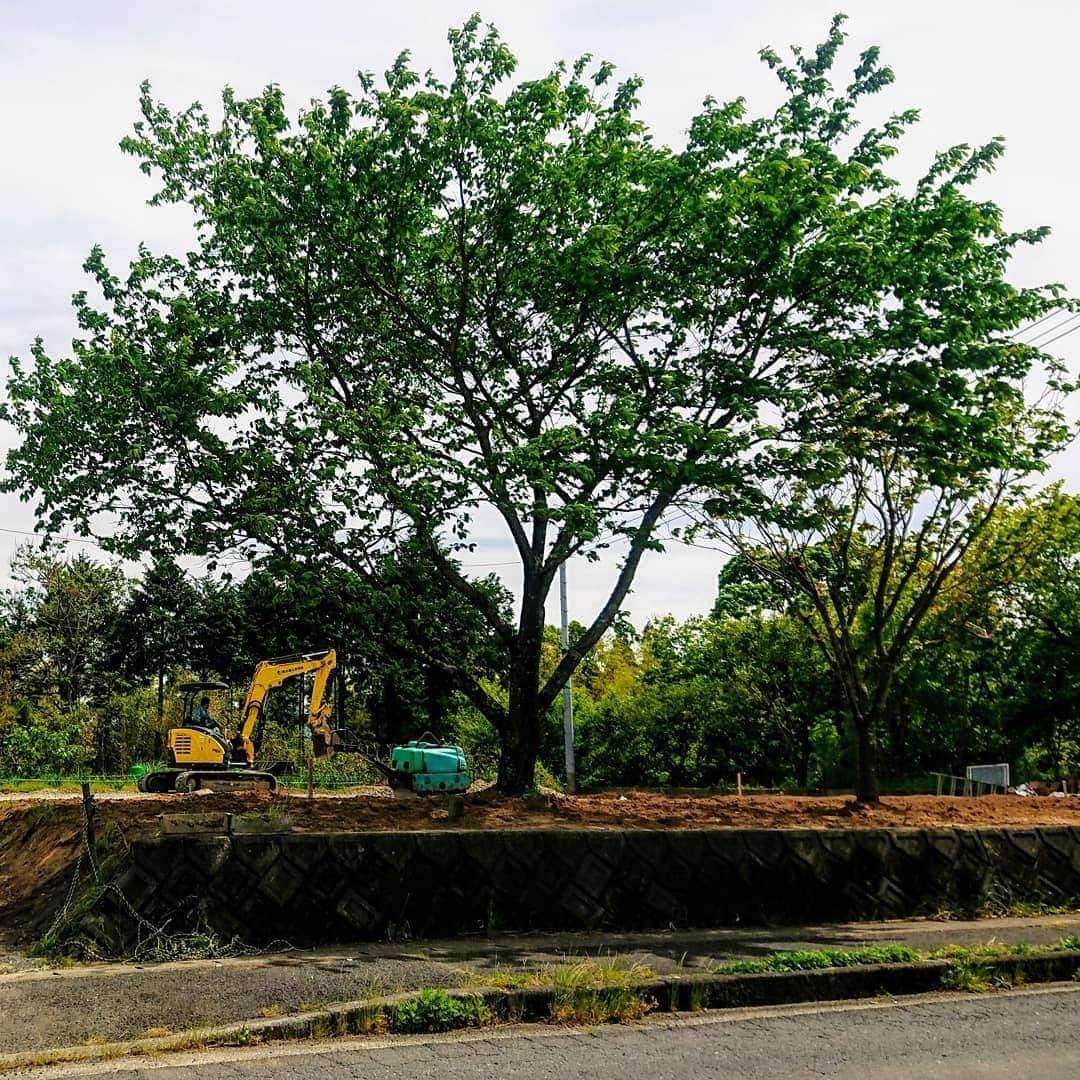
199, 742
192, 693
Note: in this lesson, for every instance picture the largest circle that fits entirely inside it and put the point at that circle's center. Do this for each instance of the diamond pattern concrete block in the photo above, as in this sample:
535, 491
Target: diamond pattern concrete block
766, 847
945, 843
442, 882
359, 915
485, 851
909, 842
207, 856
281, 882
257, 853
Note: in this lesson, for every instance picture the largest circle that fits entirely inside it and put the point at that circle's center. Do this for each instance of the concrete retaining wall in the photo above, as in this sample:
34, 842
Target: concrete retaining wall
311, 888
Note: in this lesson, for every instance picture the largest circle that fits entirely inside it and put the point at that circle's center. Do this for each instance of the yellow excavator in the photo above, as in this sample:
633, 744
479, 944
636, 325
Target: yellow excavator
201, 754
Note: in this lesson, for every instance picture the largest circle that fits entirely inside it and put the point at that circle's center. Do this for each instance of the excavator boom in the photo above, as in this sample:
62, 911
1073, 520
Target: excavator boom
269, 675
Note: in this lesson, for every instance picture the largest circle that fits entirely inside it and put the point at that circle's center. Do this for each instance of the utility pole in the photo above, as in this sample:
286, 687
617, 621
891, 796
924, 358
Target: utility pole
567, 699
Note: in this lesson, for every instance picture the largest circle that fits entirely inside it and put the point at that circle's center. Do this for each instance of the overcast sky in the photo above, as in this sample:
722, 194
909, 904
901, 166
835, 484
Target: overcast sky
70, 72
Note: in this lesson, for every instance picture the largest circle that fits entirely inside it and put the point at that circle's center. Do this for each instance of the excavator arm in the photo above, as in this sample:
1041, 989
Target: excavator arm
269, 675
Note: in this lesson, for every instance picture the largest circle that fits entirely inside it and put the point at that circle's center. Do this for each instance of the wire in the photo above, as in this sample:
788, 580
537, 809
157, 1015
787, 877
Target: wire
48, 536
1051, 329
1064, 333
1049, 315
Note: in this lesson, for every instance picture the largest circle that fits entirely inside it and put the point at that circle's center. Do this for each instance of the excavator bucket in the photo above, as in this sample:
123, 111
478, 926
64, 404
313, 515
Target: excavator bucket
324, 743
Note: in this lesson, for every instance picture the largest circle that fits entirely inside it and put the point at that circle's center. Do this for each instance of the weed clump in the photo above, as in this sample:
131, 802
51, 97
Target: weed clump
599, 991
811, 959
436, 1010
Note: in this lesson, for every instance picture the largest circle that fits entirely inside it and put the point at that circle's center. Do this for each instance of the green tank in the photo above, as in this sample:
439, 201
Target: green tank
431, 767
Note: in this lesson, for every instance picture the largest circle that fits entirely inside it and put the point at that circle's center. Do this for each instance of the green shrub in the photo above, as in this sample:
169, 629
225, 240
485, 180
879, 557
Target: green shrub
436, 1010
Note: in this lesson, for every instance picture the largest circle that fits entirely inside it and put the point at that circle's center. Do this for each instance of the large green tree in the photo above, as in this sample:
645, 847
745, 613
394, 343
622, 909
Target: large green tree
1033, 556
871, 551
426, 307
916, 427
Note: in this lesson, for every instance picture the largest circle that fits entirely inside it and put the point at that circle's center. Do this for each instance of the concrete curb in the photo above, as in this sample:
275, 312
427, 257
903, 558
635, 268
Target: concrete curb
676, 993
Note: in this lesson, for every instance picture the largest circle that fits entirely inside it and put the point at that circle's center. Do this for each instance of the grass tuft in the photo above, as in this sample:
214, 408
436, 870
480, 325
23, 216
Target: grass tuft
967, 977
608, 970
992, 950
598, 991
811, 959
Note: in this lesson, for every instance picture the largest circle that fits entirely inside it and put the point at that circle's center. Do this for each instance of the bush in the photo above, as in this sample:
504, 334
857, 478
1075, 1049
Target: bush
436, 1010
40, 738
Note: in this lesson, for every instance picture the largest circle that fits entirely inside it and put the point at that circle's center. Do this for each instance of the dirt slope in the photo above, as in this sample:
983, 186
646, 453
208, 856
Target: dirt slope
24, 820
40, 836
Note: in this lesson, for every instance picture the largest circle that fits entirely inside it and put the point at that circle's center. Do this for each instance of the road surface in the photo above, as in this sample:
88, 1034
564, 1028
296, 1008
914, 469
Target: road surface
1022, 1033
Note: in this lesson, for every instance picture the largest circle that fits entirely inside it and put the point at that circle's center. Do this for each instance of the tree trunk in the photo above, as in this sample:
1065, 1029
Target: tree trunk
802, 763
866, 767
520, 738
517, 757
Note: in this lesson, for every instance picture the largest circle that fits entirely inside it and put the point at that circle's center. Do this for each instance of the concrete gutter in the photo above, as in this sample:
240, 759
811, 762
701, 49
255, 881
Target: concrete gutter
672, 993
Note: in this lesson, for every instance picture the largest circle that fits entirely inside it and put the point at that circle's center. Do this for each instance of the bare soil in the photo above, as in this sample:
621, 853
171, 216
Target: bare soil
40, 834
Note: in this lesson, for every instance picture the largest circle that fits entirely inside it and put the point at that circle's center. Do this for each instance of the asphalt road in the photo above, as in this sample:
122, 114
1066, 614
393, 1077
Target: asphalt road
44, 1009
1022, 1033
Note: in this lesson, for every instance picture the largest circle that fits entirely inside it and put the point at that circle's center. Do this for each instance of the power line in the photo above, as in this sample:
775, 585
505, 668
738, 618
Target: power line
49, 536
1041, 335
1038, 322
1065, 333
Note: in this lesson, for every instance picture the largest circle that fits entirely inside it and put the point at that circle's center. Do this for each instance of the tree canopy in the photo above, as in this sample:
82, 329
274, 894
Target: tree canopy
427, 304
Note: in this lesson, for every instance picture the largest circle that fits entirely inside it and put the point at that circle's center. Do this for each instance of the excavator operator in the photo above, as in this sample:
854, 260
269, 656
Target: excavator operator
201, 716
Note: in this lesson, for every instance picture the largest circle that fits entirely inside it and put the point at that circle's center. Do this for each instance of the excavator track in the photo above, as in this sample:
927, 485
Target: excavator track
183, 781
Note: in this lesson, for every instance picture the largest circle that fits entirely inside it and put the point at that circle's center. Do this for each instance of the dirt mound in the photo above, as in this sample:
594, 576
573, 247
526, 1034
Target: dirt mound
54, 817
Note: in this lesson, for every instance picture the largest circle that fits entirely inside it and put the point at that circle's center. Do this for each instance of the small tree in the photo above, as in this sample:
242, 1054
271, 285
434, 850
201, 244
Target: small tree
68, 613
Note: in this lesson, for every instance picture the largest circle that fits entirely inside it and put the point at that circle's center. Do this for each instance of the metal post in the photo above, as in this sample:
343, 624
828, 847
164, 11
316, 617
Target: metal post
88, 827
568, 701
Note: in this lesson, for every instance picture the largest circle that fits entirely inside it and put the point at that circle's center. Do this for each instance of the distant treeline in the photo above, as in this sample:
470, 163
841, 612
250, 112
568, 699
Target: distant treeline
89, 662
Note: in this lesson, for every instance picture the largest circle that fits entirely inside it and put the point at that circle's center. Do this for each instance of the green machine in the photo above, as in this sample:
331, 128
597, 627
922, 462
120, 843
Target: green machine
428, 767
425, 765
